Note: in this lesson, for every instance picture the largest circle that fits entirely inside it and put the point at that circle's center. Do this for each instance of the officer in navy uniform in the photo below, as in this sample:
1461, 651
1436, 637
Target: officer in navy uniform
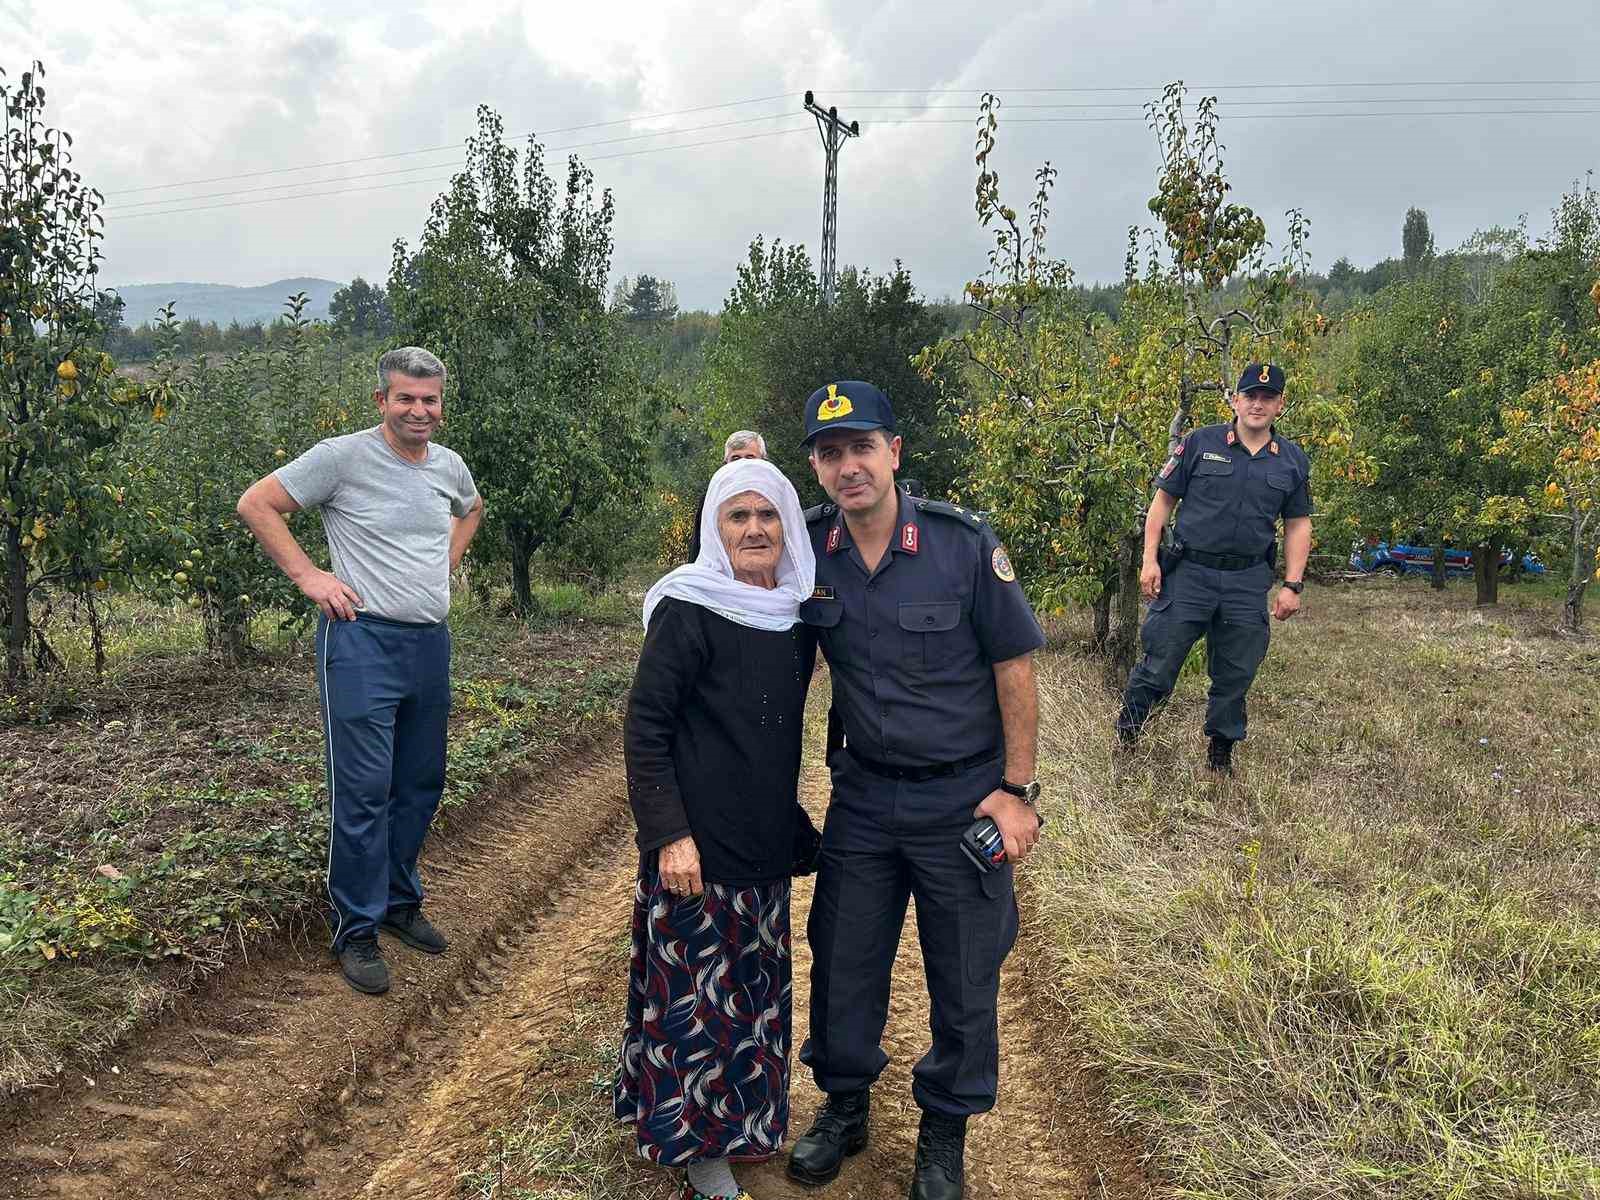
929, 639
1234, 482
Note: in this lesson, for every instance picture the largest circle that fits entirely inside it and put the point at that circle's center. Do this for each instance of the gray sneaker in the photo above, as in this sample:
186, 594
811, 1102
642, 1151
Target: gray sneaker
414, 929
363, 967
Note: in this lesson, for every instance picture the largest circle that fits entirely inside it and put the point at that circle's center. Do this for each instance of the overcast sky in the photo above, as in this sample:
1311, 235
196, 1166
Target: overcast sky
166, 91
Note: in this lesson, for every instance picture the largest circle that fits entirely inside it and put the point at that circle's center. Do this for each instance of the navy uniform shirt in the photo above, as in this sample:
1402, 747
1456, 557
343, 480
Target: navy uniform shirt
1232, 499
912, 645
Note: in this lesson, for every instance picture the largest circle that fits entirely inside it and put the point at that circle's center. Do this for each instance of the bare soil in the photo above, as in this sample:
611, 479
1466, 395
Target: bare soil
278, 1080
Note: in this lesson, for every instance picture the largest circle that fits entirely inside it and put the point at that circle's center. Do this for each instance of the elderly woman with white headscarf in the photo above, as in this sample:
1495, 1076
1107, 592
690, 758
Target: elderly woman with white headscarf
713, 752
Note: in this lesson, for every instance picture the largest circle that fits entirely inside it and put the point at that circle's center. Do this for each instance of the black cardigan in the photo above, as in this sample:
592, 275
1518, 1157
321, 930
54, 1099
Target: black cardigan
713, 742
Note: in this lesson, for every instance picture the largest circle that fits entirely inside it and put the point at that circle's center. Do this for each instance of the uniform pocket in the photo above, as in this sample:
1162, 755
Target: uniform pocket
823, 614
928, 632
991, 927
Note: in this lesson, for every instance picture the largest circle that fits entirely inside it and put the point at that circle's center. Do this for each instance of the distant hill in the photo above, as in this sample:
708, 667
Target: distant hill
221, 302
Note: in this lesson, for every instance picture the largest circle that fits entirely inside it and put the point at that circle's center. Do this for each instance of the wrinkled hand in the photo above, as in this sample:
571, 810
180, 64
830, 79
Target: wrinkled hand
1019, 824
1286, 605
336, 598
680, 867
1150, 581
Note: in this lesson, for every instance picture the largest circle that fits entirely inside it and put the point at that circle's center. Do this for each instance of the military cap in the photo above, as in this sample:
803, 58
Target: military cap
848, 404
1265, 376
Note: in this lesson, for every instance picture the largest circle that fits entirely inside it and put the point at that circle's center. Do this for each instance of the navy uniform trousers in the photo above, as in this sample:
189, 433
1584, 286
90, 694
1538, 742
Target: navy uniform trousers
385, 689
1229, 610
884, 841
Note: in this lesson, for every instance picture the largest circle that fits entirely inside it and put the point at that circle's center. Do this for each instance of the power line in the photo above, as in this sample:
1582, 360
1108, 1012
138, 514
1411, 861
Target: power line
1219, 87
1311, 100
431, 166
1465, 112
170, 212
1085, 120
346, 162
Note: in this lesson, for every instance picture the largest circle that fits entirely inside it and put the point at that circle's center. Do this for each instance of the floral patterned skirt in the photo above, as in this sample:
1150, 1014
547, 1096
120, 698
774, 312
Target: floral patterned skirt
705, 1051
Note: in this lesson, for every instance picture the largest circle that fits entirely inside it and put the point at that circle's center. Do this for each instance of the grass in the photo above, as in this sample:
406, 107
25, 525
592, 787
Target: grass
1368, 966
155, 821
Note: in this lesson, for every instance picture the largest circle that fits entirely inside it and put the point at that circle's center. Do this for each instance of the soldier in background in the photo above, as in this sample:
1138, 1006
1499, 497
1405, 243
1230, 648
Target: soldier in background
1230, 484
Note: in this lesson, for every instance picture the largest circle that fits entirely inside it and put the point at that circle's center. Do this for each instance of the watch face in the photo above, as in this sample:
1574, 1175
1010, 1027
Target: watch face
1032, 793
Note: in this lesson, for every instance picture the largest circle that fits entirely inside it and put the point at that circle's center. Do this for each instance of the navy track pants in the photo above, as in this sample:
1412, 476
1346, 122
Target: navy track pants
385, 689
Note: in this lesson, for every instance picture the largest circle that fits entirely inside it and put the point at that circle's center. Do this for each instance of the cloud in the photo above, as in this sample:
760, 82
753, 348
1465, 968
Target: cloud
162, 92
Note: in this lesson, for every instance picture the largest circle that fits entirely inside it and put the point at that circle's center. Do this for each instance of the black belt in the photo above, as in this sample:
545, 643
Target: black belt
919, 774
1225, 562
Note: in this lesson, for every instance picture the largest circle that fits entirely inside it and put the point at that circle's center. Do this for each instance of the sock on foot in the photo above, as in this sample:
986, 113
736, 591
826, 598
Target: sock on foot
713, 1177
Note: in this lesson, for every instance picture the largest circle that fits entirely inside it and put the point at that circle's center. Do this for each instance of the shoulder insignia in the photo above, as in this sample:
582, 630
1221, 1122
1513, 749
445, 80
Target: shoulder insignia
1000, 561
953, 511
818, 511
1172, 465
1177, 451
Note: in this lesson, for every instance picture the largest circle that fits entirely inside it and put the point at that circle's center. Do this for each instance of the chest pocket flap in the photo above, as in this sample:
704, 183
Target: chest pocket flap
824, 614
937, 617
1207, 466
1284, 483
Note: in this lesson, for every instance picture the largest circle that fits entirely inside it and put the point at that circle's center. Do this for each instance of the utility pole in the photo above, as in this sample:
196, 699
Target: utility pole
833, 131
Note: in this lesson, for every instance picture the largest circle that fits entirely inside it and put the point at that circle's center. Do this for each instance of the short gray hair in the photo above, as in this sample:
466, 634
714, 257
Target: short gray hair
741, 439
409, 360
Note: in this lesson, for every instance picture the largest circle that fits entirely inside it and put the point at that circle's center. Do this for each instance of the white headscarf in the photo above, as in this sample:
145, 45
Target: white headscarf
709, 580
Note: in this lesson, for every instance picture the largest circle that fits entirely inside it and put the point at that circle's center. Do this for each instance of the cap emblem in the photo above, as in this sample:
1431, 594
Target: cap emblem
1266, 375
835, 406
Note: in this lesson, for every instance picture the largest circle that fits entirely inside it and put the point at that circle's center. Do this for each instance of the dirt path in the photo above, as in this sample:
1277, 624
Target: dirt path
281, 1082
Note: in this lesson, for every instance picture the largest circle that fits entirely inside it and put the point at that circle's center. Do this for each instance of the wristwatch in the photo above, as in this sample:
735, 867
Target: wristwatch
1295, 585
1028, 793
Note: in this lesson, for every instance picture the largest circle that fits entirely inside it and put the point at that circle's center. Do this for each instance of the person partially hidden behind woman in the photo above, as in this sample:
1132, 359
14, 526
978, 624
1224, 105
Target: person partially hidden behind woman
713, 752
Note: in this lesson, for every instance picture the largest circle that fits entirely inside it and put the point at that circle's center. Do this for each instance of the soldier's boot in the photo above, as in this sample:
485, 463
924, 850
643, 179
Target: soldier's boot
941, 1148
1219, 756
839, 1130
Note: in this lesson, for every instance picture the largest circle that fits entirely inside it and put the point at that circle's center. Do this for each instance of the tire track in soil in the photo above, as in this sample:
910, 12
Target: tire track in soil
475, 1076
231, 1093
284, 1083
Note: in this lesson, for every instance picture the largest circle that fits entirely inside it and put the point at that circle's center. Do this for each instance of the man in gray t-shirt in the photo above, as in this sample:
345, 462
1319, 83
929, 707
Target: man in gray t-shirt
399, 513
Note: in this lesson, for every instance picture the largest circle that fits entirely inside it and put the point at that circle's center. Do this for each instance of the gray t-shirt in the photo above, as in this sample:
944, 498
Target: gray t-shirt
387, 519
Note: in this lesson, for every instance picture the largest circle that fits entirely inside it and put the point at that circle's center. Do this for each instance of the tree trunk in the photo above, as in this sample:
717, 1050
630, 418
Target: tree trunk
1101, 608
1438, 563
1486, 570
1580, 571
521, 564
1123, 647
1572, 610
97, 635
16, 607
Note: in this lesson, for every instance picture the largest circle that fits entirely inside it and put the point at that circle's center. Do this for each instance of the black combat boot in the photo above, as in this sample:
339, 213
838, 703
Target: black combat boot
1219, 755
839, 1130
941, 1146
